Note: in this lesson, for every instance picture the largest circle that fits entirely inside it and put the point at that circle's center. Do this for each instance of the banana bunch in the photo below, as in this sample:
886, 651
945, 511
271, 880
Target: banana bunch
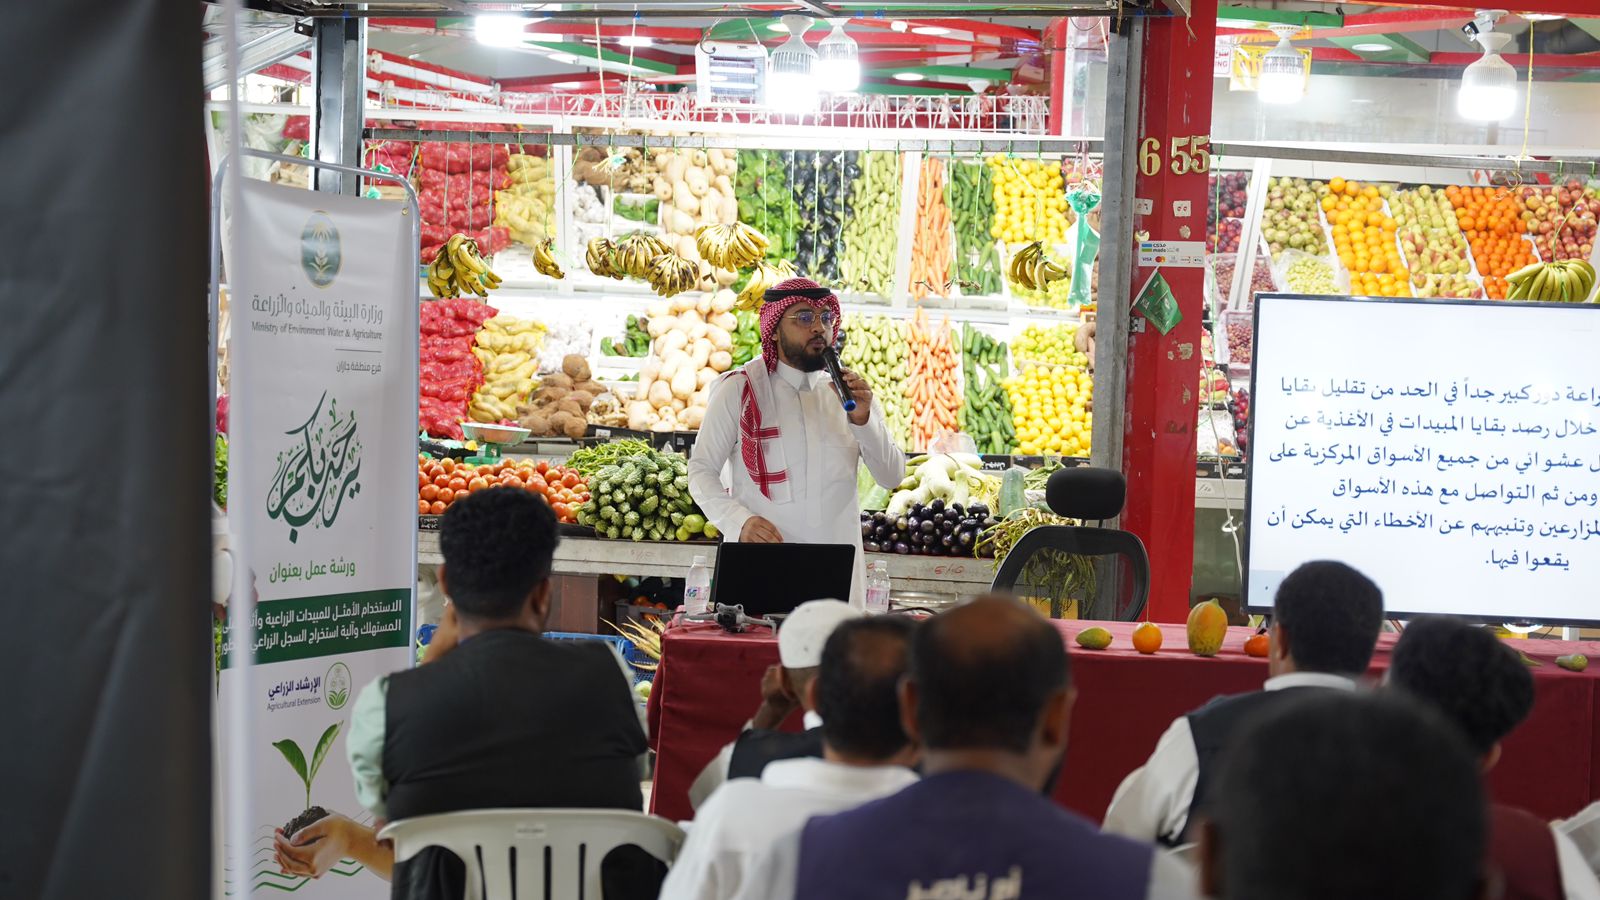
764, 276
636, 252
508, 349
1032, 269
671, 274
544, 262
460, 269
1566, 281
601, 257
730, 246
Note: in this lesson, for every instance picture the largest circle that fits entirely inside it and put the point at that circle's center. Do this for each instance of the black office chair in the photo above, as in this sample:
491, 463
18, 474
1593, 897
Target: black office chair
1104, 571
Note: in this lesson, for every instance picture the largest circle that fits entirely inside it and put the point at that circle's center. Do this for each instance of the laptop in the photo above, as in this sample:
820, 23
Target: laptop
773, 579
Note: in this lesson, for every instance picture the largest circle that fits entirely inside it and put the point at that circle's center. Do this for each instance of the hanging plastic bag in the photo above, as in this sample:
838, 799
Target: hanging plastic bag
1082, 199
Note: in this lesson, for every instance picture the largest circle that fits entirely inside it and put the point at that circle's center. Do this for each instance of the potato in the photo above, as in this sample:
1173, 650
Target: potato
661, 394
577, 428
592, 388
570, 406
557, 379
550, 396
720, 361
584, 399
683, 383
575, 367
693, 417
704, 377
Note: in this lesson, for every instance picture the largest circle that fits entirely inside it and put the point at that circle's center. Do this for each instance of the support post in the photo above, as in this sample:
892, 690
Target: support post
1055, 41
339, 85
1163, 370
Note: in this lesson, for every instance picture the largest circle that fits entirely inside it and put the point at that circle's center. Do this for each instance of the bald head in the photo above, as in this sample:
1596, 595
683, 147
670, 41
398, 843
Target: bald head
985, 673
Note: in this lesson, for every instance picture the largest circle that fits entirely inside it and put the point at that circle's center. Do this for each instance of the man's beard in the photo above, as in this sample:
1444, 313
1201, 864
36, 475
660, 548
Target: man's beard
801, 356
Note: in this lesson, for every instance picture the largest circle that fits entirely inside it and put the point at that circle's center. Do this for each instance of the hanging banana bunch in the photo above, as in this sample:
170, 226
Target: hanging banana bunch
730, 246
459, 269
1032, 269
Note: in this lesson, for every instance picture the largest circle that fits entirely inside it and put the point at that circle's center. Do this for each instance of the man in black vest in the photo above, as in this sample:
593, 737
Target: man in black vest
499, 717
1325, 622
784, 688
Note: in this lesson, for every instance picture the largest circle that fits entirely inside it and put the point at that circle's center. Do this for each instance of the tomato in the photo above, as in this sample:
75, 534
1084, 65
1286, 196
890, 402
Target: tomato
447, 464
441, 480
501, 466
457, 484
446, 496
422, 478
429, 492
423, 507
434, 471
570, 479
561, 510
437, 508
538, 484
543, 466
477, 484
485, 471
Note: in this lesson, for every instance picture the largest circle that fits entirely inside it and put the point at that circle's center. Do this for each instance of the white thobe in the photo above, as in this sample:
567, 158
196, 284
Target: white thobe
745, 815
821, 450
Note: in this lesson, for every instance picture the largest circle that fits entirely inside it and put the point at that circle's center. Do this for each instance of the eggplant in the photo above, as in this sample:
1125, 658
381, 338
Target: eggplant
878, 518
969, 522
902, 524
938, 519
937, 505
928, 526
956, 508
866, 529
978, 509
901, 548
913, 524
966, 538
948, 541
870, 547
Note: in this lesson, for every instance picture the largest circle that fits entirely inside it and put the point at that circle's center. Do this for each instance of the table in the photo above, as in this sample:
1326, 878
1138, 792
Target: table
708, 685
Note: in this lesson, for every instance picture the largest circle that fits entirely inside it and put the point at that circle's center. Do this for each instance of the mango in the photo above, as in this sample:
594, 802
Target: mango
1573, 662
1207, 626
1096, 638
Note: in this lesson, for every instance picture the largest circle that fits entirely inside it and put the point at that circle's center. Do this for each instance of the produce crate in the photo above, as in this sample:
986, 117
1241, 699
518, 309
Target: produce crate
623, 645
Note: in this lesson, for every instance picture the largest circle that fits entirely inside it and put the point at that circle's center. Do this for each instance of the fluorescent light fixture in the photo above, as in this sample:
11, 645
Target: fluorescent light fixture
635, 40
931, 30
1371, 48
1541, 17
898, 25
1283, 76
778, 26
499, 31
791, 71
838, 61
908, 76
565, 85
563, 58
1489, 86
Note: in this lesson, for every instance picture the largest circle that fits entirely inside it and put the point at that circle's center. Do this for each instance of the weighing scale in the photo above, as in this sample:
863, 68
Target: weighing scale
489, 438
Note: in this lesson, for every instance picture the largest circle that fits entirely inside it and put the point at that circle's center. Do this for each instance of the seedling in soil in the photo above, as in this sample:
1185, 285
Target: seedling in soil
308, 773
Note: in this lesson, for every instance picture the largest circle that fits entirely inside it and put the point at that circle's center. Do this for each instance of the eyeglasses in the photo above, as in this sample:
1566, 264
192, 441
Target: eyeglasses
808, 318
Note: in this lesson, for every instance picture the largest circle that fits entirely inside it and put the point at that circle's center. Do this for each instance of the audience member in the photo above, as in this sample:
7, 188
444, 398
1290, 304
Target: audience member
1583, 830
498, 718
784, 688
1337, 797
1325, 622
1485, 689
989, 697
866, 755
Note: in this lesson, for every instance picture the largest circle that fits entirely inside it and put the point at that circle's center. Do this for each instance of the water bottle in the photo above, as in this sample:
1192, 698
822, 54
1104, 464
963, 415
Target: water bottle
878, 587
697, 587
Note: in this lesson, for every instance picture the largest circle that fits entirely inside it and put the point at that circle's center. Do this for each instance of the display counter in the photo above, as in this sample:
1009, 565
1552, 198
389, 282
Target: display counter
940, 577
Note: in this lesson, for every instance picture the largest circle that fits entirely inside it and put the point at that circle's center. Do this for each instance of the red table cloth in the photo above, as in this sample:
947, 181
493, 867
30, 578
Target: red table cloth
709, 684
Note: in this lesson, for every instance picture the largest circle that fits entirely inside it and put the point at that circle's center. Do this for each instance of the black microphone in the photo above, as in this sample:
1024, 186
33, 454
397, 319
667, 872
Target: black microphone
831, 360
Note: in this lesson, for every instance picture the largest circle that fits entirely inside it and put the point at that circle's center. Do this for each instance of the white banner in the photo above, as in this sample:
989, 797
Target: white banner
323, 411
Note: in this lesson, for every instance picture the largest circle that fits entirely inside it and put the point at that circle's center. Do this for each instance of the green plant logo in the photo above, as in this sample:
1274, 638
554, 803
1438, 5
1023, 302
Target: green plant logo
337, 682
320, 254
319, 472
297, 760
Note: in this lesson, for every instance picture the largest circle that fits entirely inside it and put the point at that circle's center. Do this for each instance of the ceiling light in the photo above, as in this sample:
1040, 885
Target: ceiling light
563, 58
635, 40
909, 76
838, 61
565, 85
1541, 17
931, 30
898, 25
1283, 74
499, 31
791, 80
1489, 86
1371, 48
778, 26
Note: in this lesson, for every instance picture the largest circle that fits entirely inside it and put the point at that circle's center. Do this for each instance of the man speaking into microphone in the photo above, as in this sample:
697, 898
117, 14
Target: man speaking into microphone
776, 457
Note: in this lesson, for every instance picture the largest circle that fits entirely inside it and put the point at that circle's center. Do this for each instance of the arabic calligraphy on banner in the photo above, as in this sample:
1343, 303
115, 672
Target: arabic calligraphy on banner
326, 626
318, 473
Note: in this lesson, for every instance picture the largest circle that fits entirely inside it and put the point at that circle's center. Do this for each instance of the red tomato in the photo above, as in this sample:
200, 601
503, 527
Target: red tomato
501, 466
422, 478
538, 484
434, 471
457, 484
570, 479
446, 496
477, 484
437, 508
429, 492
485, 471
447, 464
562, 511
441, 480
543, 467
423, 506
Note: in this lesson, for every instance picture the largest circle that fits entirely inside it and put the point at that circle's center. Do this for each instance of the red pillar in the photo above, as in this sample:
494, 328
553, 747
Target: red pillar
1164, 370
1055, 38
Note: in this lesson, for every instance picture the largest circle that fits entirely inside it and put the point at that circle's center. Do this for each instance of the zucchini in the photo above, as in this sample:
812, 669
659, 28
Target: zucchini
649, 505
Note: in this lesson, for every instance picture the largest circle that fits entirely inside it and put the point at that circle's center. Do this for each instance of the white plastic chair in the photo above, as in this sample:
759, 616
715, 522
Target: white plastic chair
572, 842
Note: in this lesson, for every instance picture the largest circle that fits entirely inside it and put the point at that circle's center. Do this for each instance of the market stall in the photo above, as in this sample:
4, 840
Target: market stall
708, 685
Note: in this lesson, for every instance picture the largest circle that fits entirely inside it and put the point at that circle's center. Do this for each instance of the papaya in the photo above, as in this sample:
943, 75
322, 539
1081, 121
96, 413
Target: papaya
1207, 626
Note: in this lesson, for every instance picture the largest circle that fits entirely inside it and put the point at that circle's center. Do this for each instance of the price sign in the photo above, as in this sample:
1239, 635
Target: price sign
1185, 156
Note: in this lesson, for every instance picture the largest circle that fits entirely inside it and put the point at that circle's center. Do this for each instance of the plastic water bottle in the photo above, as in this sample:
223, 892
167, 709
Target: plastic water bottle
697, 587
878, 587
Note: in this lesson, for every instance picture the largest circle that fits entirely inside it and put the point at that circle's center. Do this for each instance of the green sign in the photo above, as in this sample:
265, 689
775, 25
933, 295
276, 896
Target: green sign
331, 625
1158, 304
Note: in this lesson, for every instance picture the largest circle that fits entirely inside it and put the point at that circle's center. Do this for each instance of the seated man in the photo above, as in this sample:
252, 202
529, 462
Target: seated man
1325, 622
865, 755
1336, 797
989, 696
1484, 688
784, 688
499, 717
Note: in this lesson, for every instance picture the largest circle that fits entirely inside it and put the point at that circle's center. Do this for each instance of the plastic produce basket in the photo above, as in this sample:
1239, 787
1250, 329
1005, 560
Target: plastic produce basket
624, 646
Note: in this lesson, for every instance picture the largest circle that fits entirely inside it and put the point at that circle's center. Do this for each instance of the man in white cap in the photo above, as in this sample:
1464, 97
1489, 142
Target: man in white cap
866, 755
783, 687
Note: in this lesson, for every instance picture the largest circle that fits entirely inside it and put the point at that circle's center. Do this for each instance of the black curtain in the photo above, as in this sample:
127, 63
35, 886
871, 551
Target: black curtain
105, 677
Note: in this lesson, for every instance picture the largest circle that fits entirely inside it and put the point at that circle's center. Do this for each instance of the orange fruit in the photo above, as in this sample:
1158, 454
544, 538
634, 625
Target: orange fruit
1147, 638
1256, 645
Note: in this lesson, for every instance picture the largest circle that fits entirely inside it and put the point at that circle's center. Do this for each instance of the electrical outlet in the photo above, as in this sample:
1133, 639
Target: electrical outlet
1144, 206
1181, 209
